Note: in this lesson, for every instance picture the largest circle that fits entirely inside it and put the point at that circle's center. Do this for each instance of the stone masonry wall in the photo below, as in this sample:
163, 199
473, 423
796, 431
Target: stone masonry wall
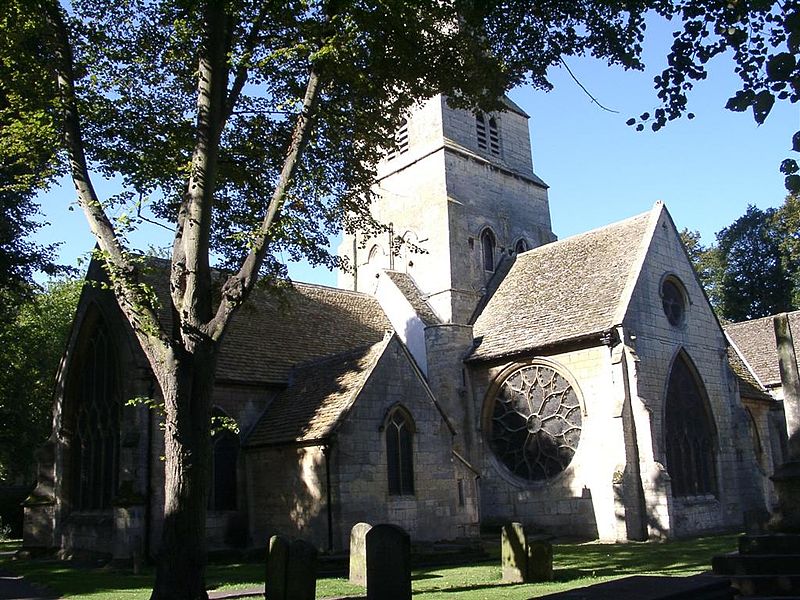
361, 480
580, 500
655, 343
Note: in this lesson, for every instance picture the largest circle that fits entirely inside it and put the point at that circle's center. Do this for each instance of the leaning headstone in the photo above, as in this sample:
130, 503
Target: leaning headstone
513, 553
388, 563
540, 560
358, 554
277, 562
301, 571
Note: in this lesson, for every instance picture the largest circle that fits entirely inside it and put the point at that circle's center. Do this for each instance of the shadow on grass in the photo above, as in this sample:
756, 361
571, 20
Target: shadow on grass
575, 565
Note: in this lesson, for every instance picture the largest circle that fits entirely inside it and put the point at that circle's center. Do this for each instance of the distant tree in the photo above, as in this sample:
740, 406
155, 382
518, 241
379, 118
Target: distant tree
31, 345
707, 263
755, 281
787, 221
28, 161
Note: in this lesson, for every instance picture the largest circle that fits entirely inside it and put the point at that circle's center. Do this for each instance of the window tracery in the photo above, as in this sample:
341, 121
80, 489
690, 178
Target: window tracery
689, 433
400, 453
96, 439
535, 423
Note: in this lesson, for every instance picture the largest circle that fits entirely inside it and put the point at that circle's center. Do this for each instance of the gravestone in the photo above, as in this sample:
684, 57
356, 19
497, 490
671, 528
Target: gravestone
388, 563
513, 553
525, 560
301, 571
540, 560
291, 570
277, 559
358, 554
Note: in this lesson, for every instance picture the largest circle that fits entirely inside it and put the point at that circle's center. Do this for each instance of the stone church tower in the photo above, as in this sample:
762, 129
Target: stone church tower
461, 188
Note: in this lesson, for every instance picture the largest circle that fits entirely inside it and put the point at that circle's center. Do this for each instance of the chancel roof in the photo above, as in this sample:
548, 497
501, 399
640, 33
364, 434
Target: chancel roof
276, 330
565, 290
755, 341
318, 396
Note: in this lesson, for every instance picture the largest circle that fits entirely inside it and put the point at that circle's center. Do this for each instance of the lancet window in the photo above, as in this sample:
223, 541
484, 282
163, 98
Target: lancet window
400, 452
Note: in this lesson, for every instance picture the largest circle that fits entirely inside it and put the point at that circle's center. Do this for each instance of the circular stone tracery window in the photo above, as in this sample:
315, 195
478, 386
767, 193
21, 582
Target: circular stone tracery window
536, 422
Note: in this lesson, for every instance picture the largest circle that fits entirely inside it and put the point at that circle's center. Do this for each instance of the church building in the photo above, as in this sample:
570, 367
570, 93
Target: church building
468, 371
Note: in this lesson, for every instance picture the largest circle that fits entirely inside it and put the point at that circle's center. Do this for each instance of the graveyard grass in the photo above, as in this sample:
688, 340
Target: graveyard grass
575, 565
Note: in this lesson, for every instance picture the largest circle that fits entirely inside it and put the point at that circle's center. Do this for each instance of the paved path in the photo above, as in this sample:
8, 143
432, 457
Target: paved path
14, 587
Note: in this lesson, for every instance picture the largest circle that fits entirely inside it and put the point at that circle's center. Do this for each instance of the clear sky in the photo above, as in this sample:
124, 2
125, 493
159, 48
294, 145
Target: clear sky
599, 170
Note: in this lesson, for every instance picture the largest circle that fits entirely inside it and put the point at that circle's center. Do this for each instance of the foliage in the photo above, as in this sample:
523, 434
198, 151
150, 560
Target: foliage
576, 565
753, 269
31, 346
27, 153
787, 223
763, 38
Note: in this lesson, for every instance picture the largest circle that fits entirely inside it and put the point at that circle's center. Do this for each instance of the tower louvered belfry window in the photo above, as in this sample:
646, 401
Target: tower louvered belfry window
400, 453
488, 134
96, 442
689, 433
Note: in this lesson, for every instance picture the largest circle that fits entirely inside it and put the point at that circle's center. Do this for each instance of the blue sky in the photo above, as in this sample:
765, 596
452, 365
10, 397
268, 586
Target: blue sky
706, 170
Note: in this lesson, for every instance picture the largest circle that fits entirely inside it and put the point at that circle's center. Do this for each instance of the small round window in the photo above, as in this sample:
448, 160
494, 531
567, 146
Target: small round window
535, 422
673, 301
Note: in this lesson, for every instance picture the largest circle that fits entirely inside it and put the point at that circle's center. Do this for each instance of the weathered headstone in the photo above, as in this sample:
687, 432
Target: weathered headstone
513, 553
540, 560
277, 559
388, 563
301, 571
291, 570
358, 554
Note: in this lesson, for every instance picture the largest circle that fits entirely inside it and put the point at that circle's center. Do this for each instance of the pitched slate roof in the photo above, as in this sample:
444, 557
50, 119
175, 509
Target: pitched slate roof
414, 295
274, 331
565, 290
755, 341
318, 396
270, 335
748, 384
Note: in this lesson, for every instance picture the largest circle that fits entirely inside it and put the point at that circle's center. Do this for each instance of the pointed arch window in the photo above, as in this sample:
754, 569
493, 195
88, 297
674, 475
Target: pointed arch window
690, 434
521, 246
400, 452
224, 459
488, 244
96, 441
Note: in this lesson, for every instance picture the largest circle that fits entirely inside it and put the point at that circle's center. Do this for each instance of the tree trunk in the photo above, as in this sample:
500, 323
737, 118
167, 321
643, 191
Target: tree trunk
187, 383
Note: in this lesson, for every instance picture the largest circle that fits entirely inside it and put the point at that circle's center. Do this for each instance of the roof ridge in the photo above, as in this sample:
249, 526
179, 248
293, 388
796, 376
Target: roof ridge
331, 358
757, 319
635, 272
578, 236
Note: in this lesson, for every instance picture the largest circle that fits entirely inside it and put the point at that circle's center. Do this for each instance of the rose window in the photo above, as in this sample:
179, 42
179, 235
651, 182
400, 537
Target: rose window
536, 422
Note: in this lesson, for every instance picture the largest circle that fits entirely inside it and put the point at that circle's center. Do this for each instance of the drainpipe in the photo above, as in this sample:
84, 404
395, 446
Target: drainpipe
326, 451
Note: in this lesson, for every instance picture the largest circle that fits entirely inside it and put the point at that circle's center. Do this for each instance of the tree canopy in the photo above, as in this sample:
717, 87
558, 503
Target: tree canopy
752, 270
31, 345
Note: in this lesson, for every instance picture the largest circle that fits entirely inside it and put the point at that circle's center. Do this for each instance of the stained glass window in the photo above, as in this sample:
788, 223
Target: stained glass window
690, 438
97, 425
536, 422
400, 453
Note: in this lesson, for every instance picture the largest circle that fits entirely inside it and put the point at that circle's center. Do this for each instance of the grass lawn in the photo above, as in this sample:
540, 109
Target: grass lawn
576, 565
